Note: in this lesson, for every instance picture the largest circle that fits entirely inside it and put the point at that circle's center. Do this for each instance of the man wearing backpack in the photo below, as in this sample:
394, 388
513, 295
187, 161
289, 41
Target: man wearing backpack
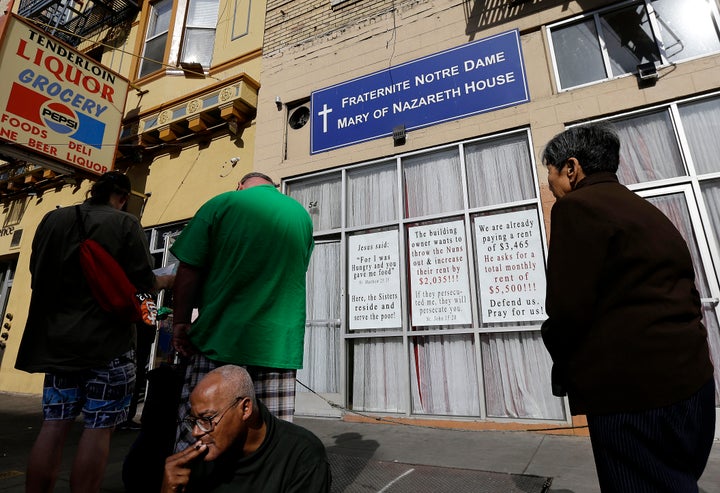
86, 353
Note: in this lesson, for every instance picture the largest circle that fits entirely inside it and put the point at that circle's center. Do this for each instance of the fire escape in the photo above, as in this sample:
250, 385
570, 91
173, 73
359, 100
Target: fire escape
72, 21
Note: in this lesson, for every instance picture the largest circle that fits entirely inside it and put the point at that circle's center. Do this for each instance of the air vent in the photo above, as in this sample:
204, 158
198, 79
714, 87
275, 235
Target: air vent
299, 117
297, 133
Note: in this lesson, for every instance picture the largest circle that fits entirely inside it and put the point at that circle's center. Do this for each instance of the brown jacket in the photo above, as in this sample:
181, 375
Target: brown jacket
624, 327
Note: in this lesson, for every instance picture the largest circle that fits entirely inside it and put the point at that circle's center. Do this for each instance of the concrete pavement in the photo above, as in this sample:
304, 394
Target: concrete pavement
565, 459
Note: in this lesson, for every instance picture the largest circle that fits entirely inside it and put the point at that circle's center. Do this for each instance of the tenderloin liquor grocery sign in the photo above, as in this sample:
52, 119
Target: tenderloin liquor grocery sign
56, 101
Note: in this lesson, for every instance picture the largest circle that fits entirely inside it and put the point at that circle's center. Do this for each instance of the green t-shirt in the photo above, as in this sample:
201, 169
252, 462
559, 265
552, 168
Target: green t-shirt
254, 246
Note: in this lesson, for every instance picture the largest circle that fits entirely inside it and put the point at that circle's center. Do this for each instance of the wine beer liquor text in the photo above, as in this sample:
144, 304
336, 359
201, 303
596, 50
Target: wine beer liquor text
58, 102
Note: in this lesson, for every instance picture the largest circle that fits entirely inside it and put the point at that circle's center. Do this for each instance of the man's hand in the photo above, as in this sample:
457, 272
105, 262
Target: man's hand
164, 282
177, 468
181, 340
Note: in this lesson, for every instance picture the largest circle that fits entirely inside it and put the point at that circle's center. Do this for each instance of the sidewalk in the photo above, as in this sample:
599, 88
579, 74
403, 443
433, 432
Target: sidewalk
402, 450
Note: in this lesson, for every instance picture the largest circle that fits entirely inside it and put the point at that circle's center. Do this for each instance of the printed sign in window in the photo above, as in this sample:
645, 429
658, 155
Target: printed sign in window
374, 281
440, 287
511, 270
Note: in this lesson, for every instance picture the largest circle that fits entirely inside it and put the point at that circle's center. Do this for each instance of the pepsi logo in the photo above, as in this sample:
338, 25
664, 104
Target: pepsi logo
59, 117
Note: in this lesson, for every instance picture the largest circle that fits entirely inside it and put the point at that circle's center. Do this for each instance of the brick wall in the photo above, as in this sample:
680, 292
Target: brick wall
297, 22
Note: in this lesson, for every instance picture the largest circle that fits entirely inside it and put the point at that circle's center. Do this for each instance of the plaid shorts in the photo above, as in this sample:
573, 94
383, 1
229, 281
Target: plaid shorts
101, 394
274, 387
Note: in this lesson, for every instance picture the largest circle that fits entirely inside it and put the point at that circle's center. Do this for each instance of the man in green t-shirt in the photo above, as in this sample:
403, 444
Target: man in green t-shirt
243, 260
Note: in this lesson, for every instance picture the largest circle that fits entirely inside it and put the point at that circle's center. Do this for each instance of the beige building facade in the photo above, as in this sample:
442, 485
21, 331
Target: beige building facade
187, 134
426, 285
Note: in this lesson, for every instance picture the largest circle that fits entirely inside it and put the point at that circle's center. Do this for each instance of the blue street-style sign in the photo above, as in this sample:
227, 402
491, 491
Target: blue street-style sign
485, 75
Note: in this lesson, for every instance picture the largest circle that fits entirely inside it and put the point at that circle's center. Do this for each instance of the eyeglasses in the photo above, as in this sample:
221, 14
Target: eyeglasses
208, 423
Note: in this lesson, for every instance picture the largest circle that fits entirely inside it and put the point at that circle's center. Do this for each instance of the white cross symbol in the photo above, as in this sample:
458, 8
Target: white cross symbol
324, 113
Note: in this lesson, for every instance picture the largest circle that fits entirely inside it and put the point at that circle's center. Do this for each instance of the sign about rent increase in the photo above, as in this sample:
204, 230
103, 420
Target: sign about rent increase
439, 283
511, 268
58, 102
477, 77
374, 281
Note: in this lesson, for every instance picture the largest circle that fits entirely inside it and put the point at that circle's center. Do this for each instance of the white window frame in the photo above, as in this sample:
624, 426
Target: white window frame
148, 39
176, 35
595, 15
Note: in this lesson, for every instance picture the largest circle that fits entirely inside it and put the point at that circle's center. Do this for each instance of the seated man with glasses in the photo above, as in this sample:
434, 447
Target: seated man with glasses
240, 446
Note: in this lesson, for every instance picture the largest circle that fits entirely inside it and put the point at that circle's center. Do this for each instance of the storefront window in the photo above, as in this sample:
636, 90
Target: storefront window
651, 151
701, 120
322, 197
444, 375
499, 171
432, 183
372, 194
441, 261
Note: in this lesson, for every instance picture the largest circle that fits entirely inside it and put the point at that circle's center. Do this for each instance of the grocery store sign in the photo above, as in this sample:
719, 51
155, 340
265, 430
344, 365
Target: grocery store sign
56, 102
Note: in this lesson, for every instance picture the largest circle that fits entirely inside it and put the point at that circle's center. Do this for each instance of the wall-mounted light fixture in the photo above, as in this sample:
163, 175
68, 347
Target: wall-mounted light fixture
647, 74
399, 135
278, 102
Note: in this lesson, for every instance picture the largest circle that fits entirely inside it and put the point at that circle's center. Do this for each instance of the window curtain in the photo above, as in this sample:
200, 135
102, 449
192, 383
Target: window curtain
701, 121
711, 196
516, 370
372, 194
433, 183
378, 368
675, 208
444, 376
648, 148
499, 171
323, 336
322, 200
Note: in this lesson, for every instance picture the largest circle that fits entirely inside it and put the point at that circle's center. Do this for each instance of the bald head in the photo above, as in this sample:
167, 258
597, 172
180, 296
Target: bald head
228, 380
254, 179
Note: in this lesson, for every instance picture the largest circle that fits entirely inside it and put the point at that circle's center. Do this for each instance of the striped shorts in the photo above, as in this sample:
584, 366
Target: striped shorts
275, 387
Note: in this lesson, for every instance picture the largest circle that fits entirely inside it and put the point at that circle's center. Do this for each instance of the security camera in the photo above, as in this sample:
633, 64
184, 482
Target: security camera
234, 160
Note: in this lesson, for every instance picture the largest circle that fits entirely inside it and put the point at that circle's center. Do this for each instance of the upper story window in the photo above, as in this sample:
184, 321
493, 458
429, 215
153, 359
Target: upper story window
614, 41
190, 37
156, 37
199, 36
